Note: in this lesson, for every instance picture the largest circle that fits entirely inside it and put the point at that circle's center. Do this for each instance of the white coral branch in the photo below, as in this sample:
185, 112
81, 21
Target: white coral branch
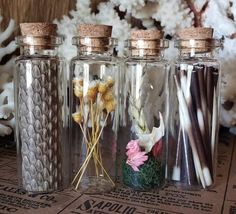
106, 15
6, 127
7, 120
8, 31
172, 15
11, 47
5, 130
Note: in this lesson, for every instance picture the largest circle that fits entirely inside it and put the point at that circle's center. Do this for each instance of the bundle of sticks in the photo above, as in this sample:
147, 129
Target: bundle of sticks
197, 94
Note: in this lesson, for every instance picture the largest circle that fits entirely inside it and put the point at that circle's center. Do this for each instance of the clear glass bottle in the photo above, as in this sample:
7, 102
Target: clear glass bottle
40, 93
194, 117
94, 79
145, 125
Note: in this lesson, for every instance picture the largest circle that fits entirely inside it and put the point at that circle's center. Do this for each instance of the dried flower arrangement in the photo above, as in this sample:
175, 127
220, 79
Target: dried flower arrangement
97, 102
143, 168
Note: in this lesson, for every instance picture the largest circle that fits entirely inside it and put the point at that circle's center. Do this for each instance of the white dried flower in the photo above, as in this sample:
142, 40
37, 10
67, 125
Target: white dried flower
147, 141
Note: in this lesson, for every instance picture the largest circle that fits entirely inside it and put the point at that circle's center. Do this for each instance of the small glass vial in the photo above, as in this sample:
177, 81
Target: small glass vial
94, 79
145, 125
194, 116
42, 147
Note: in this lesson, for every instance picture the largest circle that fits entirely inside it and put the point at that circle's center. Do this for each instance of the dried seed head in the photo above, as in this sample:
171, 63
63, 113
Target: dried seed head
92, 90
110, 81
78, 91
77, 81
92, 93
81, 82
108, 96
102, 87
77, 117
110, 105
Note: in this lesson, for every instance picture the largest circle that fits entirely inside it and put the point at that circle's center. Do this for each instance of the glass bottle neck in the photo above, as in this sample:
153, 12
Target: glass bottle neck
39, 45
192, 54
38, 50
94, 46
144, 55
94, 52
197, 48
150, 49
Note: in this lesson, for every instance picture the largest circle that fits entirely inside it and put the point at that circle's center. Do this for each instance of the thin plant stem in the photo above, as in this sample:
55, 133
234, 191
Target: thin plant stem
84, 165
92, 118
87, 144
97, 126
93, 134
100, 159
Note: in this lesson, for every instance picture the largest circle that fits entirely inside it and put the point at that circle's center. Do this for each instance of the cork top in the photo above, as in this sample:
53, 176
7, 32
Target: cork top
146, 34
195, 33
93, 30
146, 43
38, 29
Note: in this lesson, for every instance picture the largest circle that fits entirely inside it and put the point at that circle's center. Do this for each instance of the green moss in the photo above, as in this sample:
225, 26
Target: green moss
150, 175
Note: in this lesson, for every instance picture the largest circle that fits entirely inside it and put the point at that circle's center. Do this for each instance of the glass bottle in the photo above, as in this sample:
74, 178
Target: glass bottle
145, 124
42, 147
194, 116
94, 79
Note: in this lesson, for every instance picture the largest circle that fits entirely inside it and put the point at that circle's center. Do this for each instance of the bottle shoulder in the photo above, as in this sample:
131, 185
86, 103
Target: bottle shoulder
38, 57
132, 61
94, 60
197, 60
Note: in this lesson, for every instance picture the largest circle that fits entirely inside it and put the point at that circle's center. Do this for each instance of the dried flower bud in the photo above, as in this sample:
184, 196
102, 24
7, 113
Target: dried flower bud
77, 117
92, 93
108, 96
92, 90
78, 91
102, 87
78, 81
110, 105
110, 81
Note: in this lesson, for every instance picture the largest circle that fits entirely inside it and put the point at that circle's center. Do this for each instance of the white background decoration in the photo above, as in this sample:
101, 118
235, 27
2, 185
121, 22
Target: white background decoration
171, 16
7, 120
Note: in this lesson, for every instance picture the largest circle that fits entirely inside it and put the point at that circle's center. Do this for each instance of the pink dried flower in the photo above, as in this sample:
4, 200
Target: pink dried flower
135, 156
132, 147
136, 159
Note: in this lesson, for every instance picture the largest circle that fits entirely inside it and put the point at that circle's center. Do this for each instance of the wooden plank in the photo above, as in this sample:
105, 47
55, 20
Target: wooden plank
33, 10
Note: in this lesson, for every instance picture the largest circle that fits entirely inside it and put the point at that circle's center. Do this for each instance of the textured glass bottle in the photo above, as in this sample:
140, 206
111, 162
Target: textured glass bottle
40, 116
146, 103
94, 79
195, 110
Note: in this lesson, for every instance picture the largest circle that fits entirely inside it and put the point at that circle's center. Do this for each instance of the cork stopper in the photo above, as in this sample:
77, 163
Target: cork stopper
195, 40
94, 38
38, 29
91, 30
42, 35
146, 34
195, 33
145, 42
